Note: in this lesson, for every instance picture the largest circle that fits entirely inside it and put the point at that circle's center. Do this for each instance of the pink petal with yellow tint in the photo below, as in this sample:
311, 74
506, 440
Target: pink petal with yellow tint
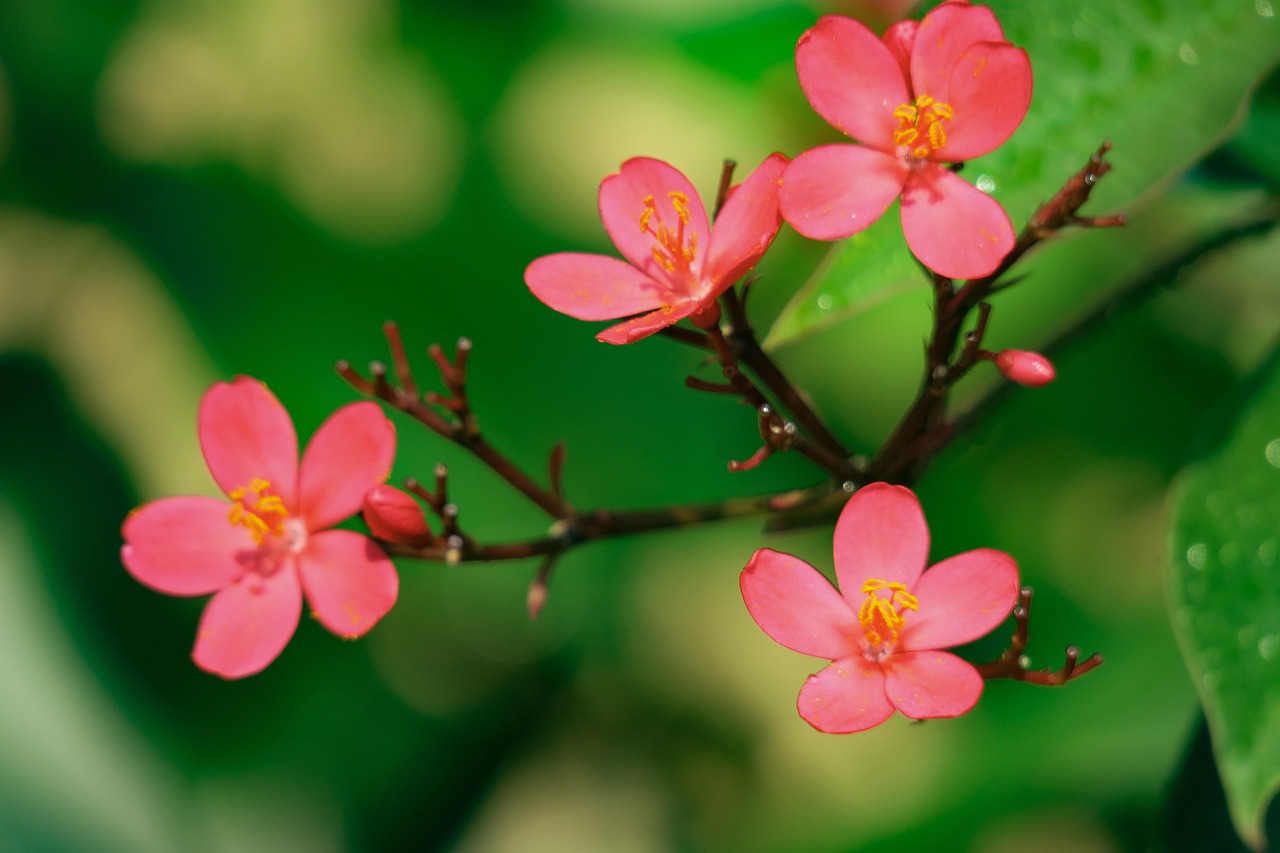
245, 434
851, 79
746, 226
795, 605
622, 204
593, 287
924, 685
246, 625
943, 37
185, 545
835, 191
349, 454
645, 325
961, 599
954, 228
350, 581
881, 533
990, 92
848, 696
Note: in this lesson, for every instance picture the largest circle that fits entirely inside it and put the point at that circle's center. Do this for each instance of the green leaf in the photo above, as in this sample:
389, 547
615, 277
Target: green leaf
1225, 599
1162, 79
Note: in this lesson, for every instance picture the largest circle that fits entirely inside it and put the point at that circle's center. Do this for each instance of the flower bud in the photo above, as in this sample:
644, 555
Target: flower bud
1026, 368
394, 516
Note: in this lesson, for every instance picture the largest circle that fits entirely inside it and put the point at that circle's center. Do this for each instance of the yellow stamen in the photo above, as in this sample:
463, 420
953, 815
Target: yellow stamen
922, 121
261, 513
673, 250
882, 618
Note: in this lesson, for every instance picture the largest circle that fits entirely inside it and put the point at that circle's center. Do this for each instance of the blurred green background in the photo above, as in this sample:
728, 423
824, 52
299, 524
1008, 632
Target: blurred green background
195, 189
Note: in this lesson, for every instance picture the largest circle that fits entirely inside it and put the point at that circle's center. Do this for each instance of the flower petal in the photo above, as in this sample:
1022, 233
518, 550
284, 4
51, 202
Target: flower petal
943, 37
246, 625
954, 228
899, 38
881, 533
847, 696
990, 92
797, 606
931, 684
245, 434
961, 599
646, 324
184, 545
593, 287
622, 204
350, 581
833, 191
851, 79
746, 226
349, 454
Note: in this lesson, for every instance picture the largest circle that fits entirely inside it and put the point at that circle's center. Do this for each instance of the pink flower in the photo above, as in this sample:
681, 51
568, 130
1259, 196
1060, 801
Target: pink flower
677, 264
259, 552
882, 632
945, 90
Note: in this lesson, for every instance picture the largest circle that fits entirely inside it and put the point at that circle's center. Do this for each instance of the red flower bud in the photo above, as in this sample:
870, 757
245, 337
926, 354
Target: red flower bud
1026, 368
394, 516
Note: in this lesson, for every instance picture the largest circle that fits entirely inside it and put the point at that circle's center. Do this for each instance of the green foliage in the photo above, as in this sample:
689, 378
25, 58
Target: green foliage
1162, 80
1225, 599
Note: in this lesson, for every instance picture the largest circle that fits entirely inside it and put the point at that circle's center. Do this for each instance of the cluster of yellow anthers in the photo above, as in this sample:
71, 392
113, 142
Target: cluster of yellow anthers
669, 250
880, 619
924, 119
263, 514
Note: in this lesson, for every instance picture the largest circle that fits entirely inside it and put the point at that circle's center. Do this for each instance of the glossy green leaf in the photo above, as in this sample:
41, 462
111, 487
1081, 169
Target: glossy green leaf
1225, 599
1163, 80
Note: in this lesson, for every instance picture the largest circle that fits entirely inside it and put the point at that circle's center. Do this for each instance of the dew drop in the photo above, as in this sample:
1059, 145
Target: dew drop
848, 486
986, 183
824, 302
1188, 54
1024, 661
1196, 555
1273, 452
1263, 8
1267, 646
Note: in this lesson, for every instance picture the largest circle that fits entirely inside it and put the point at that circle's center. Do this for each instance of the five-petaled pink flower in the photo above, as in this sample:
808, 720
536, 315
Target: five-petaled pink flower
678, 264
259, 552
944, 90
883, 628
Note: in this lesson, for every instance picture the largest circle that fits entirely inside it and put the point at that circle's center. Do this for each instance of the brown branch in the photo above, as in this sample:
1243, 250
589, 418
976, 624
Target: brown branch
588, 526
1013, 664
923, 429
460, 427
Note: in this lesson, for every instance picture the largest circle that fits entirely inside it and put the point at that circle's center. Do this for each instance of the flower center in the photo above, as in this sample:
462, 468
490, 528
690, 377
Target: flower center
671, 250
920, 126
881, 616
264, 514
